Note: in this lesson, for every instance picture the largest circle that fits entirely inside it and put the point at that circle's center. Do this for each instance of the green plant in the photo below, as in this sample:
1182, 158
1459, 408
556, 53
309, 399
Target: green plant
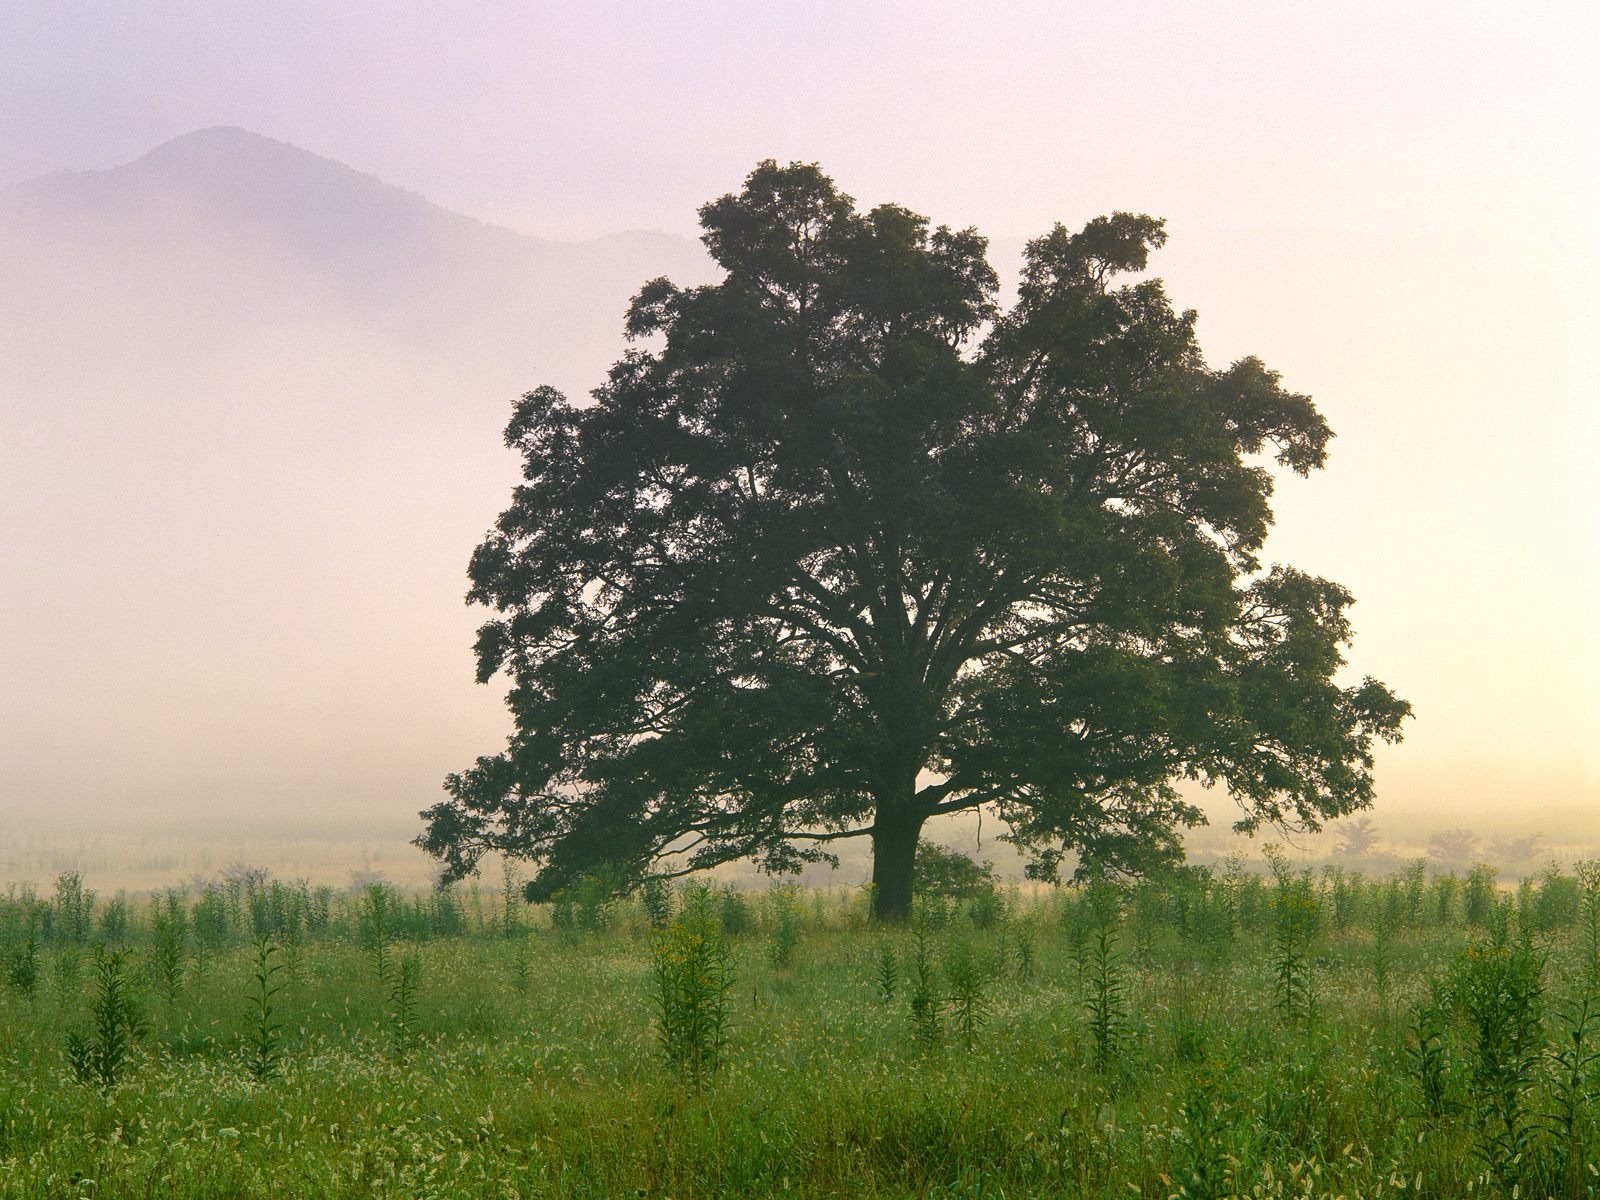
1575, 1096
169, 932
733, 913
924, 999
263, 1046
1207, 1120
1382, 959
1480, 895
22, 966
510, 899
988, 908
1588, 873
1427, 1051
377, 915
1414, 886
783, 906
1294, 909
1497, 988
692, 975
1022, 947
1105, 988
402, 1016
74, 908
656, 896
837, 521
67, 967
520, 965
968, 979
887, 974
99, 1056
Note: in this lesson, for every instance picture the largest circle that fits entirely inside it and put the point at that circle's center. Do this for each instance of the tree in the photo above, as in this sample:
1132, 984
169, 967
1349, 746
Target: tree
1458, 846
839, 546
1358, 838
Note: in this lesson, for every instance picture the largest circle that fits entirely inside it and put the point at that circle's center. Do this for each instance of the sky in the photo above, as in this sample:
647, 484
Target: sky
1392, 203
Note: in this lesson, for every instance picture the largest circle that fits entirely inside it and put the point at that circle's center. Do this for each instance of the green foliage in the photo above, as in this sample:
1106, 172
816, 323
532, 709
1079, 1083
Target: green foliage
402, 1014
22, 966
1573, 1120
377, 928
169, 926
656, 896
1497, 987
923, 997
1209, 1118
1414, 886
968, 979
838, 523
1558, 900
947, 873
1105, 983
67, 967
887, 971
212, 928
99, 1056
1481, 894
1428, 1052
540, 1080
783, 912
691, 972
263, 1041
74, 909
1295, 919
510, 899
1023, 948
114, 921
1382, 958
1588, 873
733, 912
585, 906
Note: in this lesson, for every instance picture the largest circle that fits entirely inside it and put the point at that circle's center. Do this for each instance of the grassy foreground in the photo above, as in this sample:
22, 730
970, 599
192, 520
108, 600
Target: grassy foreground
1217, 1034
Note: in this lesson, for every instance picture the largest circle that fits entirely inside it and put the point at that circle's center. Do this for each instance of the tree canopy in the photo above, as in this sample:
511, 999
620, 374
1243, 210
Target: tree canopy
840, 545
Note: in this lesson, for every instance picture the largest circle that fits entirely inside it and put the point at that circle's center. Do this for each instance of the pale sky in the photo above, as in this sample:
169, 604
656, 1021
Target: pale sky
1392, 203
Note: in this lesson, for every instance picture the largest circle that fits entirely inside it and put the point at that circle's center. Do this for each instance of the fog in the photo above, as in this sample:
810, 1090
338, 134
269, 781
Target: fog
251, 397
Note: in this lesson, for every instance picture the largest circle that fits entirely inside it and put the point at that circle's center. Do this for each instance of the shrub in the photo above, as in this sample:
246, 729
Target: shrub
783, 907
1105, 989
950, 874
169, 933
377, 933
968, 980
99, 1056
733, 912
1294, 909
656, 896
691, 975
1497, 987
74, 908
402, 1017
1480, 894
22, 966
263, 1049
923, 998
887, 974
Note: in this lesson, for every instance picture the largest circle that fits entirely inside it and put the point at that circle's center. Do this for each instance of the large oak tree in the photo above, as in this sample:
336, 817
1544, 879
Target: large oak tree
840, 546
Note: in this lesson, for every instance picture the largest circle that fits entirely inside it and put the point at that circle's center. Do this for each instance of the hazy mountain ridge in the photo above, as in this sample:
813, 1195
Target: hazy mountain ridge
250, 412
229, 218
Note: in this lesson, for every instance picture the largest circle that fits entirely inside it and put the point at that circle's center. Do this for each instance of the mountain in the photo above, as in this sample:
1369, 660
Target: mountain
231, 222
250, 413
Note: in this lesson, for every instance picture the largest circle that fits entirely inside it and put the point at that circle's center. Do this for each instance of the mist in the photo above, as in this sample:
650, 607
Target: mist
251, 404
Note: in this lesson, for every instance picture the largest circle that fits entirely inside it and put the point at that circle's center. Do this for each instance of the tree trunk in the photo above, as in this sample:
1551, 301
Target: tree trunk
894, 856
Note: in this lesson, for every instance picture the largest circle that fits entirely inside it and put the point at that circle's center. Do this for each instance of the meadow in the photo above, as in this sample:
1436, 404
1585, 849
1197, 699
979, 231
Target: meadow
1248, 1030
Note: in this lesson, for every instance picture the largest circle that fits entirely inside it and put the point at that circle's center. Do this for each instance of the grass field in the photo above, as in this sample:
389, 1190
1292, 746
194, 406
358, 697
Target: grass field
1221, 1033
